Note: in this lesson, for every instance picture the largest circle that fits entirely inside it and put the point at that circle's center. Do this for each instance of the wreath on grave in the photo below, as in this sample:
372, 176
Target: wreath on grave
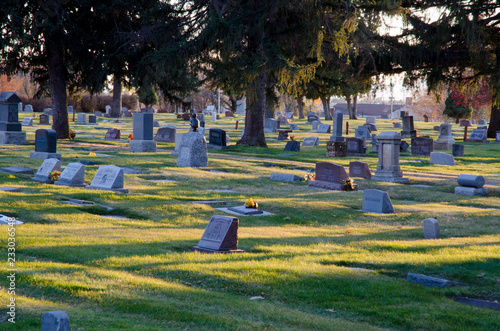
348, 185
54, 175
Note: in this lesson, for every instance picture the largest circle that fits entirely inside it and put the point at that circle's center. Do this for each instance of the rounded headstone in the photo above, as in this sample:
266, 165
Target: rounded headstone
55, 320
471, 180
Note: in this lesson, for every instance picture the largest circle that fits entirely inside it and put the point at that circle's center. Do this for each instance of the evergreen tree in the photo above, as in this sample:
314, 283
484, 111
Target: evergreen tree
455, 108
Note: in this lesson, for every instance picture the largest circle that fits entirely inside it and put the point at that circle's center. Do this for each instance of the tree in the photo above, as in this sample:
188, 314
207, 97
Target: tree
455, 107
147, 95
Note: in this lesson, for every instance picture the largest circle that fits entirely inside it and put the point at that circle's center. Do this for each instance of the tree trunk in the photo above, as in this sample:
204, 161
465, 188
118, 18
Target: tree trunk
117, 96
494, 125
233, 104
325, 101
328, 115
300, 105
354, 108
57, 82
256, 108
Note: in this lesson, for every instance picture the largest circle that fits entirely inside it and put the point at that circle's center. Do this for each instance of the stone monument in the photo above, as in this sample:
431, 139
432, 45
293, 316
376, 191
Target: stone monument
43, 173
337, 127
408, 128
143, 134
445, 140
166, 134
192, 150
108, 178
73, 175
388, 169
376, 201
45, 145
10, 128
220, 236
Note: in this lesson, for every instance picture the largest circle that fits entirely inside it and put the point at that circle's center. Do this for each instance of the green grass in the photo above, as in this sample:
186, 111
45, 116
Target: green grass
319, 263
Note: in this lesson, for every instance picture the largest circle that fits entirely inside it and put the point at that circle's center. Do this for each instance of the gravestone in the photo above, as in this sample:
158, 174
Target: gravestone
98, 113
166, 134
431, 281
312, 116
217, 139
471, 185
478, 135
143, 134
397, 125
445, 140
278, 114
270, 125
108, 178
81, 119
384, 116
374, 144
178, 142
55, 321
70, 109
336, 148
422, 146
388, 169
156, 124
108, 110
337, 127
371, 120
315, 125
43, 173
283, 134
283, 120
240, 107
286, 177
329, 176
497, 137
442, 159
229, 113
292, 146
28, 121
359, 169
92, 119
457, 150
220, 236
473, 122
10, 128
362, 132
113, 134
28, 109
403, 147
371, 127
355, 147
481, 122
44, 119
192, 150
73, 175
324, 128
431, 228
310, 141
127, 113
483, 127
465, 123
408, 128
294, 127
376, 201
289, 115
436, 128
202, 131
45, 145
47, 111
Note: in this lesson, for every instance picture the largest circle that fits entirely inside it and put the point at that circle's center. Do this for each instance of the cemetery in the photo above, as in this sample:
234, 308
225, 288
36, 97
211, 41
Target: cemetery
250, 165
143, 228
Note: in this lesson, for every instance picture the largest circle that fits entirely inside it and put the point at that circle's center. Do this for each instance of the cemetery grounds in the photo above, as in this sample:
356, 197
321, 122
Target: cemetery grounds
317, 263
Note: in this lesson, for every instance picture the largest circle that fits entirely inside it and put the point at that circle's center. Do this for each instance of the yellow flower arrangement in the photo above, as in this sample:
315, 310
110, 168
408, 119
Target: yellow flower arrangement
251, 203
54, 175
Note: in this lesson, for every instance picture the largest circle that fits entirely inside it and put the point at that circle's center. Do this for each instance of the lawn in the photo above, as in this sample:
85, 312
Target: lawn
317, 263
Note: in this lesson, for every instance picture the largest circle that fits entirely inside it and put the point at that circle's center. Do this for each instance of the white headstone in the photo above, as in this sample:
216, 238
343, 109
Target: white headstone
72, 175
43, 173
28, 109
28, 121
108, 178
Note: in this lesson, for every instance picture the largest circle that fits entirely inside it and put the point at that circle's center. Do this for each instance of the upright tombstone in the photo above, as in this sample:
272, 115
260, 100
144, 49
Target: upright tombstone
220, 236
292, 146
374, 144
45, 145
478, 135
108, 178
270, 125
397, 125
312, 116
362, 132
10, 128
337, 127
44, 119
92, 119
465, 123
113, 134
441, 159
229, 113
376, 201
403, 147
217, 139
240, 107
289, 115
166, 134
283, 120
457, 150
371, 120
408, 128
422, 146
310, 141
192, 150
28, 121
481, 122
73, 175
324, 128
431, 228
55, 321
81, 119
359, 169
355, 147
294, 127
28, 109
143, 134
43, 173
388, 169
315, 125
99, 114
336, 148
445, 140
329, 176
108, 110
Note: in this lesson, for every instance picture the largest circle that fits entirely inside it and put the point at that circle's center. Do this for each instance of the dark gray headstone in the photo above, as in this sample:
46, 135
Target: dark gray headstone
217, 139
46, 141
431, 228
457, 150
355, 146
294, 127
330, 172
422, 146
359, 169
478, 135
403, 147
143, 126
245, 211
44, 119
55, 321
362, 132
166, 134
221, 235
337, 127
292, 146
336, 148
92, 119
9, 112
479, 303
376, 201
113, 134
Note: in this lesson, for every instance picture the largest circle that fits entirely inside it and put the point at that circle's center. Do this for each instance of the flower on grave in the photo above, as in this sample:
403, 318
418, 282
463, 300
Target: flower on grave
72, 134
348, 185
251, 203
54, 175
131, 136
310, 176
92, 154
292, 137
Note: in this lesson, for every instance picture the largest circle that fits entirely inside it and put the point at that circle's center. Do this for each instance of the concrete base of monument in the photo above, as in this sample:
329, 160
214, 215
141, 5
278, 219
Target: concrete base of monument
142, 146
43, 180
12, 138
390, 178
45, 155
212, 146
69, 184
116, 190
211, 251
